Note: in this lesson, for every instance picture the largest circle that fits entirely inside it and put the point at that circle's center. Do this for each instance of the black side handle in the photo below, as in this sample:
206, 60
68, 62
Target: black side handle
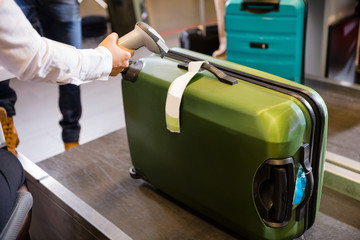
281, 195
260, 6
223, 77
273, 190
305, 163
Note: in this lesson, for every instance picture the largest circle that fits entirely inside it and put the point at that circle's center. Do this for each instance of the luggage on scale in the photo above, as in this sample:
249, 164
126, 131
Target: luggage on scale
247, 149
268, 35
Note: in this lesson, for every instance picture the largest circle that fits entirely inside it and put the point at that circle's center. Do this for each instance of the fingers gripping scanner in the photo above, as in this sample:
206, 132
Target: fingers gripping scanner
144, 35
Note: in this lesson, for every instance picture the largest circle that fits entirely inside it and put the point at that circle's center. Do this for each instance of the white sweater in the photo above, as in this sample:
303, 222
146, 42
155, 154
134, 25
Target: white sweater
30, 57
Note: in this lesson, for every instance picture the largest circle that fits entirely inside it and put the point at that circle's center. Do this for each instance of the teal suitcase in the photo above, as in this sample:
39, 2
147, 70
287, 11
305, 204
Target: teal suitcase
268, 35
250, 151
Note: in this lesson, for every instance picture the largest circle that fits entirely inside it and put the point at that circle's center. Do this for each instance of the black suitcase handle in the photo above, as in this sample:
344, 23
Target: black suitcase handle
223, 77
273, 190
260, 6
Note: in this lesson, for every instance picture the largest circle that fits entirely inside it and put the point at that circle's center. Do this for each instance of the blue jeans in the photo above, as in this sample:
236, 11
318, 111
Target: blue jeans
58, 20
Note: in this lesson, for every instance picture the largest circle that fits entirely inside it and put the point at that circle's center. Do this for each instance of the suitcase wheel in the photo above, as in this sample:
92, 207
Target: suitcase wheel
133, 173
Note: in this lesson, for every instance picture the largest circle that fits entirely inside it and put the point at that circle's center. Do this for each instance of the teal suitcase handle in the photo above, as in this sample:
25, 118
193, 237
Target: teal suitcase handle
260, 6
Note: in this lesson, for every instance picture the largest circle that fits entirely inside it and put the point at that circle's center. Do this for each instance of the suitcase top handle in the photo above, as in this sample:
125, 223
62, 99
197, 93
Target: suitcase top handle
260, 6
177, 88
223, 77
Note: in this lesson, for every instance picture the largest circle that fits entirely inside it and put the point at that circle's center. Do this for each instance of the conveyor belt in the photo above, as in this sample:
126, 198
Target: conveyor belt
98, 173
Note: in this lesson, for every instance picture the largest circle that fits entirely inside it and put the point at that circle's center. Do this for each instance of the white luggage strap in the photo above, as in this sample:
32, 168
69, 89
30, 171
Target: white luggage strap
174, 96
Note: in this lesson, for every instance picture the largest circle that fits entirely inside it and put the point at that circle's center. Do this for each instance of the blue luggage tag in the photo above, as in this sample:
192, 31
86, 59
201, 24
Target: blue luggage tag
300, 186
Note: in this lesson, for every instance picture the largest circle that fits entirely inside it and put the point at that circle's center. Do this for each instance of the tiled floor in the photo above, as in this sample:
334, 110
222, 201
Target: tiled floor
37, 112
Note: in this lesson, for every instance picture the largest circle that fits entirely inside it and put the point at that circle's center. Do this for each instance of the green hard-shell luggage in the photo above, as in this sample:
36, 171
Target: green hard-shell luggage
246, 150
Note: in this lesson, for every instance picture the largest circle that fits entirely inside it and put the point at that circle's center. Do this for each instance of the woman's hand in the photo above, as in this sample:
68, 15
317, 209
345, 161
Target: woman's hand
120, 55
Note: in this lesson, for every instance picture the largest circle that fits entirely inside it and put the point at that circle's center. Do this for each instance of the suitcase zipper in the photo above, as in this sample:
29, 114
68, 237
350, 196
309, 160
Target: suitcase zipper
317, 115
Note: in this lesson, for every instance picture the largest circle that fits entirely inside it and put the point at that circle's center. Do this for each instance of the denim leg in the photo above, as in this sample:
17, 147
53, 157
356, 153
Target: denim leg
7, 97
30, 10
70, 107
60, 21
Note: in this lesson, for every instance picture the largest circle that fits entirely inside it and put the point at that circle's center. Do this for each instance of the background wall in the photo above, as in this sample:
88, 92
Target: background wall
321, 14
314, 37
172, 14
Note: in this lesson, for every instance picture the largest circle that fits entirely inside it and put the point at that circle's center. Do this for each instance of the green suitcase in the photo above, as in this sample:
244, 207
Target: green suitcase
250, 153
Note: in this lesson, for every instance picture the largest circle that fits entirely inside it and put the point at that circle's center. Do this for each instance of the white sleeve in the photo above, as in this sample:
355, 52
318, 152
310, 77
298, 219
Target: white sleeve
24, 53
